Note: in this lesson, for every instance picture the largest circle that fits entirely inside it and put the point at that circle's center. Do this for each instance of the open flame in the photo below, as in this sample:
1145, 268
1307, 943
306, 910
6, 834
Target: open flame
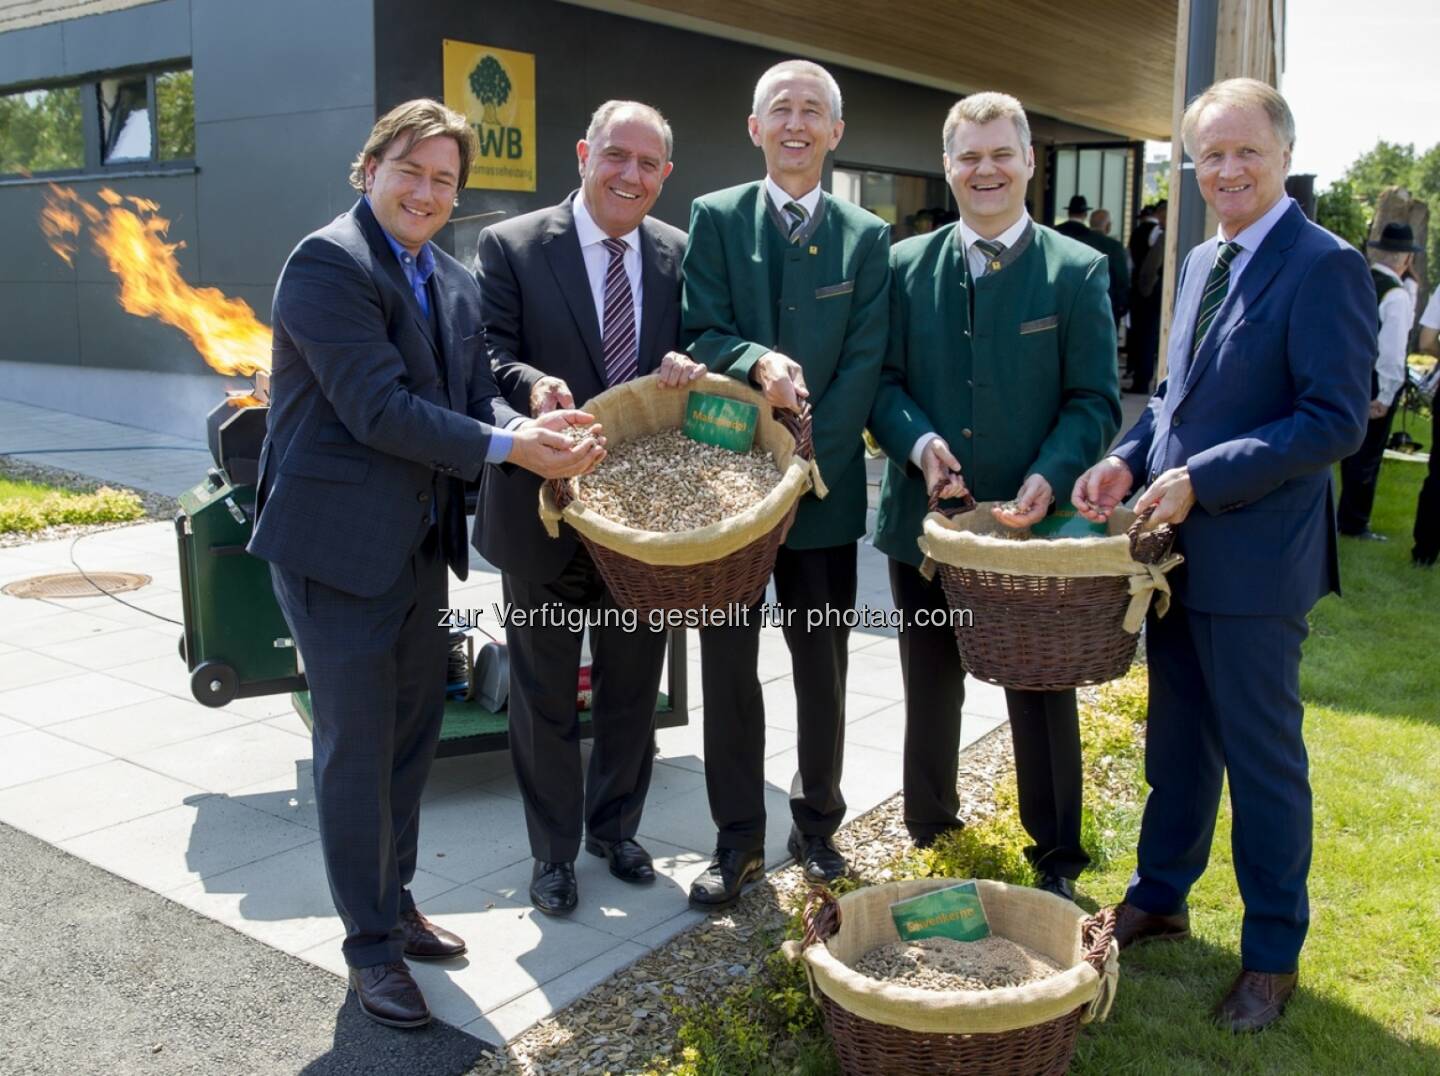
131, 234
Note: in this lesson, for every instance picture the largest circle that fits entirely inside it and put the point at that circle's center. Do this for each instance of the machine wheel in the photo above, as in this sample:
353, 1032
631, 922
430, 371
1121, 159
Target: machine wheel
214, 683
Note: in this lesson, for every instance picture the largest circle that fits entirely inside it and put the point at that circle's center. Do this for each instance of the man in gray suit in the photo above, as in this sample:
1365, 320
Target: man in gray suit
381, 403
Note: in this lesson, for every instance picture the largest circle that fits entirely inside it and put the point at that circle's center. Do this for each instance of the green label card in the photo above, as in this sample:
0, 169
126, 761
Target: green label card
953, 912
719, 420
1067, 523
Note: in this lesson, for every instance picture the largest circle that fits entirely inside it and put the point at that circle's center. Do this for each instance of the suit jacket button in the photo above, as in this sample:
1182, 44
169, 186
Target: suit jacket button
967, 433
423, 496
1175, 421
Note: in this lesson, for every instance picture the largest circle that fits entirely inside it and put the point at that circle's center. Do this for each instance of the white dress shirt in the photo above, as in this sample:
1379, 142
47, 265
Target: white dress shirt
1251, 238
780, 199
597, 261
1431, 318
1396, 314
979, 266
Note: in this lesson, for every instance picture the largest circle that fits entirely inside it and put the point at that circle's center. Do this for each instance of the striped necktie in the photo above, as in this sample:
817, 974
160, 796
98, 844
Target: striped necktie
991, 250
796, 212
1216, 285
619, 342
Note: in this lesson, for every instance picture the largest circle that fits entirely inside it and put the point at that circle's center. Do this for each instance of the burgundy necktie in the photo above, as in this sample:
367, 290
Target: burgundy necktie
622, 358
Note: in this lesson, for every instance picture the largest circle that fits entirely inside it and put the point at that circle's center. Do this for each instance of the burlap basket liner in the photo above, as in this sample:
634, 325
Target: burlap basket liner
1043, 922
976, 541
642, 407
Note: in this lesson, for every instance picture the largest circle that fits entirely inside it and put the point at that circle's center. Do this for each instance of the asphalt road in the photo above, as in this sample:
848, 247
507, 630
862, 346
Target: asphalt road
99, 975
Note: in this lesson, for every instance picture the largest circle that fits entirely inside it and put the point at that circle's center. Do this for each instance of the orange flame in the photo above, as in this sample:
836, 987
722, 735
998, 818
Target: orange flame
132, 236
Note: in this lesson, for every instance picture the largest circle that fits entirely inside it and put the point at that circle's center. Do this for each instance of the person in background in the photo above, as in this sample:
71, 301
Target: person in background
1147, 256
1390, 258
1115, 251
1427, 508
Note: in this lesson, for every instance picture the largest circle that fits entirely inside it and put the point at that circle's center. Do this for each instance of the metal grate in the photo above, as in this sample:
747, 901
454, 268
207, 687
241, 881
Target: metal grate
75, 585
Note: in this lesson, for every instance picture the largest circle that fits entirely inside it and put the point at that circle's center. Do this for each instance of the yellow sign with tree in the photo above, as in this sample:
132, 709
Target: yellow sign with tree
495, 90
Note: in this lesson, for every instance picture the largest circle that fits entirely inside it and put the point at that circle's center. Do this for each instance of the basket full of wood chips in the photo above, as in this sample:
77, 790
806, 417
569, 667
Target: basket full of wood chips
1011, 1002
673, 524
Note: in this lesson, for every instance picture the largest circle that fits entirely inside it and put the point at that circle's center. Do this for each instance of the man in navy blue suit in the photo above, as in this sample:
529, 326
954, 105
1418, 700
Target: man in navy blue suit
1268, 385
382, 401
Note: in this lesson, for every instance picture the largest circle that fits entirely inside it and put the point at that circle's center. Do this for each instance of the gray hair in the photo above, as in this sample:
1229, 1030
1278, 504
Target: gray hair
983, 108
1240, 93
1099, 218
798, 67
610, 110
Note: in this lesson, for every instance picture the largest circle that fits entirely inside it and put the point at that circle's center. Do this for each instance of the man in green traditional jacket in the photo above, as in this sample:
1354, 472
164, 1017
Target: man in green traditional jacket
1000, 381
787, 288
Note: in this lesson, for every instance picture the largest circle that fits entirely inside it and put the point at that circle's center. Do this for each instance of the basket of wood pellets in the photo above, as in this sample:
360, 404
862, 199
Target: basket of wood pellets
673, 523
940, 976
1052, 607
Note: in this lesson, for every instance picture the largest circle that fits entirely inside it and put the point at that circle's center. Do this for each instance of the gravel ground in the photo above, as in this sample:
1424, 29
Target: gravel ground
156, 505
619, 1025
102, 976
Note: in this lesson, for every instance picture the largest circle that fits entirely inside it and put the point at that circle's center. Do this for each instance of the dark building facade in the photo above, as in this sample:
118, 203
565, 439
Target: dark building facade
284, 94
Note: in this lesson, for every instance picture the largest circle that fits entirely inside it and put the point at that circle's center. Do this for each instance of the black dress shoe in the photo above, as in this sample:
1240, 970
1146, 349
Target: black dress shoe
628, 860
817, 856
1256, 1000
389, 995
1054, 883
1367, 535
719, 887
1134, 925
552, 888
926, 836
426, 941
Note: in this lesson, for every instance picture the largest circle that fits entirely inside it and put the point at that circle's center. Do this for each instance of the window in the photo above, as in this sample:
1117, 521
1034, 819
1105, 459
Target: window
117, 121
41, 131
911, 203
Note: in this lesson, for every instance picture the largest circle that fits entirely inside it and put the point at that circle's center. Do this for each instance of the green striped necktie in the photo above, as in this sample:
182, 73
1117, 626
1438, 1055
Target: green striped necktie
1216, 285
991, 250
797, 216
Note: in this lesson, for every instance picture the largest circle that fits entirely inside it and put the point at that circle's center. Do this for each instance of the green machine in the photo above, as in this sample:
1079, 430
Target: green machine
236, 642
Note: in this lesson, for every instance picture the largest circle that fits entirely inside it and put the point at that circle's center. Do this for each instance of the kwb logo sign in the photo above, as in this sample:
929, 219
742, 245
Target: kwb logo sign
495, 90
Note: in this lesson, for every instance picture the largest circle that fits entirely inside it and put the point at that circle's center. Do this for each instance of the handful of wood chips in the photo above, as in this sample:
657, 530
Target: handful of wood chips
946, 964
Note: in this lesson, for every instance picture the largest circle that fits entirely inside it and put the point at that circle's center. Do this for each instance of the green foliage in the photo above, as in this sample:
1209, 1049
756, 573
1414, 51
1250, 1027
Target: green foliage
1340, 209
40, 131
1389, 164
22, 511
175, 114
489, 82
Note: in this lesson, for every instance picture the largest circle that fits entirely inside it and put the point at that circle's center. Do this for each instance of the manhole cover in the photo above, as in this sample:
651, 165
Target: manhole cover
74, 585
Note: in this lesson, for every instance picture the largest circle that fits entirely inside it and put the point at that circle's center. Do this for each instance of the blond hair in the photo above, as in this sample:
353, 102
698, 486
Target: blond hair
1240, 93
983, 108
413, 122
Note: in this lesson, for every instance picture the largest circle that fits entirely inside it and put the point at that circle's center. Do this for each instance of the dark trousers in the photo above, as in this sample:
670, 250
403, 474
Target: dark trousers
376, 669
805, 580
1427, 509
1359, 475
1225, 699
560, 797
1044, 727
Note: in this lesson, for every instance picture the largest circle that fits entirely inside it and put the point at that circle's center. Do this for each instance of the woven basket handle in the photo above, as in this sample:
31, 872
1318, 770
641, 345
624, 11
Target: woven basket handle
797, 424
821, 916
1149, 546
958, 506
1095, 935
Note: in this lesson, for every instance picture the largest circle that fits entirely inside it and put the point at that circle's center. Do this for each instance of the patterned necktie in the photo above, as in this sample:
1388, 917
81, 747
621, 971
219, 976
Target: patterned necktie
622, 354
796, 212
991, 250
1216, 285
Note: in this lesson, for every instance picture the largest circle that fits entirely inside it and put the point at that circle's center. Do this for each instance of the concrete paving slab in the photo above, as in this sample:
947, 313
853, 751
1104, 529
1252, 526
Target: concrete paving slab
58, 627
289, 796
227, 760
465, 837
9, 726
69, 697
23, 668
34, 755
81, 801
156, 722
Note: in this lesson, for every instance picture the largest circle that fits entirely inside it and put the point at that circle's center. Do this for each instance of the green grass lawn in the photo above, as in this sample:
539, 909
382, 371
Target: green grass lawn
1370, 973
12, 490
30, 506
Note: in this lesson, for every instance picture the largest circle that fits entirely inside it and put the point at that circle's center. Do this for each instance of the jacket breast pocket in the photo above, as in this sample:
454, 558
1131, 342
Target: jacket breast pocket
1040, 325
830, 291
324, 465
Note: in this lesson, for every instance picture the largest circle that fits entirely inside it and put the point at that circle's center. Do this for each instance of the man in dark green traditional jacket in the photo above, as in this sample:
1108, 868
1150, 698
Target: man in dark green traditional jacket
787, 288
1000, 380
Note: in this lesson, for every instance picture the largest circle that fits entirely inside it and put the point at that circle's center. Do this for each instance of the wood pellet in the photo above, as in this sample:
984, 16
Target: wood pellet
947, 964
667, 482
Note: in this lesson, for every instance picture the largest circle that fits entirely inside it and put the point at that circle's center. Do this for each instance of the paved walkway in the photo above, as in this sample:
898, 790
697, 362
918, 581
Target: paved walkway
105, 754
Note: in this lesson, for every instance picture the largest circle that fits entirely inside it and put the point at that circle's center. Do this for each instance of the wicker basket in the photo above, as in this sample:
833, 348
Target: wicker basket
1047, 615
719, 567
883, 1029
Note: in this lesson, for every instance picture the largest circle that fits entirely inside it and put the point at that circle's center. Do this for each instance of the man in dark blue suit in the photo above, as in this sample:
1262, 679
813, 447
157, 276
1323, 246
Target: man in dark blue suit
1270, 351
381, 403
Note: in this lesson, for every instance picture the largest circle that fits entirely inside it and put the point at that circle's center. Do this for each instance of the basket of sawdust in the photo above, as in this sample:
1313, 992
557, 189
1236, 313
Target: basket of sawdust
1047, 614
1010, 1003
674, 525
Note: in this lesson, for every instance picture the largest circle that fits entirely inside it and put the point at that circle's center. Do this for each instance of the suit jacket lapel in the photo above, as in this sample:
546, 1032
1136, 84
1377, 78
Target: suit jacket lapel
1258, 274
657, 267
562, 250
390, 265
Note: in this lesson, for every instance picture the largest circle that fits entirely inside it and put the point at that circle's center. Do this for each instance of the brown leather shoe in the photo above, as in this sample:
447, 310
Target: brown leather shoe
1134, 925
425, 941
389, 995
1256, 1000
